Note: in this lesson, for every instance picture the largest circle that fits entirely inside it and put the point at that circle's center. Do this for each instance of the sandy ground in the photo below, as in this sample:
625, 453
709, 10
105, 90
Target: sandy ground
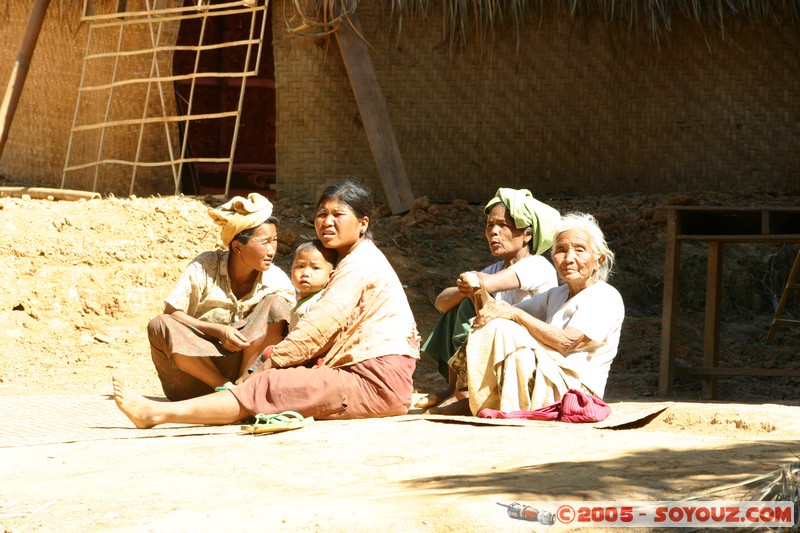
399, 474
82, 279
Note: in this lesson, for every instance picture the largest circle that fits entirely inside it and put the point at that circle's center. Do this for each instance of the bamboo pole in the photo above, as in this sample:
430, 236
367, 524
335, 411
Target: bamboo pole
190, 103
175, 48
109, 101
20, 71
152, 120
43, 193
148, 164
155, 39
176, 178
242, 88
177, 77
77, 108
180, 13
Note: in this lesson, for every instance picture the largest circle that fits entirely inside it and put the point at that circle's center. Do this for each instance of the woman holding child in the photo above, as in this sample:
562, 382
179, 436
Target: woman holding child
311, 269
361, 330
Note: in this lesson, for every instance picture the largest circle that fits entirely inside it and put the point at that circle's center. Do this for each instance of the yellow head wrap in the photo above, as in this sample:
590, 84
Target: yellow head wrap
239, 214
527, 211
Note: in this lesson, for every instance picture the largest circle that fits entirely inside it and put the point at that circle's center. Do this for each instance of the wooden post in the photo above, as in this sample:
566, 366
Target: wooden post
669, 312
375, 117
711, 327
20, 71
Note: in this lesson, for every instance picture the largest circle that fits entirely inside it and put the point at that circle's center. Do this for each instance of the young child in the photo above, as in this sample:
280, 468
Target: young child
311, 268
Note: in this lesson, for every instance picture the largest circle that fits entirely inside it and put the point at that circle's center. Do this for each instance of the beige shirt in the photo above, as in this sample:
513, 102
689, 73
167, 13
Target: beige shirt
204, 290
535, 273
362, 313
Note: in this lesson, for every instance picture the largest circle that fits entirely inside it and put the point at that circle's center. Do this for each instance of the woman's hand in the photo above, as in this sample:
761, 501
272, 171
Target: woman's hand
453, 296
247, 375
259, 367
562, 340
468, 283
495, 309
230, 337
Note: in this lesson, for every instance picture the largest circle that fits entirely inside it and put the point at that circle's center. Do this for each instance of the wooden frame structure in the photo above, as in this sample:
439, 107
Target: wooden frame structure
160, 20
716, 226
792, 284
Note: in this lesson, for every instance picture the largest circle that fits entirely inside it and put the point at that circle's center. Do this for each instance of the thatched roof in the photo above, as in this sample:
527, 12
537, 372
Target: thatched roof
653, 19
468, 20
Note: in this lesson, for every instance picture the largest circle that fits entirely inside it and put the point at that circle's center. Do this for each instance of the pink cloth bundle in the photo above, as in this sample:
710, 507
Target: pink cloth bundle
575, 406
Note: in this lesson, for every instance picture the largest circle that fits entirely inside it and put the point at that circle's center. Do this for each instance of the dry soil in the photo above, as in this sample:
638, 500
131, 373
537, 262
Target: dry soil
82, 278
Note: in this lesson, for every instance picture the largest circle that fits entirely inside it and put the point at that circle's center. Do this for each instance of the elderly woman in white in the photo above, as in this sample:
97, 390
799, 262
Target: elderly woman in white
525, 356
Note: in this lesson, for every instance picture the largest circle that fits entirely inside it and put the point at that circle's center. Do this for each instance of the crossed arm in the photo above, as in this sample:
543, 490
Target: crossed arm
562, 340
504, 280
230, 337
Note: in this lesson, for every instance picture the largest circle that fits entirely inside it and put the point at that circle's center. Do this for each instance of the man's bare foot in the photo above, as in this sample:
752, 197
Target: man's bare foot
452, 406
135, 406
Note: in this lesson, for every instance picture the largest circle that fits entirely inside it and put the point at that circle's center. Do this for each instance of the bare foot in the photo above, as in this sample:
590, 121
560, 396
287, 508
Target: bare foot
135, 406
423, 400
452, 406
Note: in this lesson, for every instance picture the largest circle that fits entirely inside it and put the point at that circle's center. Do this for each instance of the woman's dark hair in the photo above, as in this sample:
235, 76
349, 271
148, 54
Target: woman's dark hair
355, 196
244, 236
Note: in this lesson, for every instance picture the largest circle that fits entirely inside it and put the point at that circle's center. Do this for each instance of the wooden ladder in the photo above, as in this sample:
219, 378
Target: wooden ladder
791, 283
88, 157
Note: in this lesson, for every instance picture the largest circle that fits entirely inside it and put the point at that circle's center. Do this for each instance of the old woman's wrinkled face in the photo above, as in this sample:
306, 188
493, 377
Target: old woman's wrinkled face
576, 259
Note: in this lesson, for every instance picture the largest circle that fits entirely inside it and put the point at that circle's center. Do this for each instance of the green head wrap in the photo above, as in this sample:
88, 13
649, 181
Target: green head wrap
527, 211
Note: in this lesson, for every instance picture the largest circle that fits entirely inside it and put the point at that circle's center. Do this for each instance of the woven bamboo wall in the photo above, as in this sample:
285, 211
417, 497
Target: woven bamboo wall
579, 111
575, 112
37, 145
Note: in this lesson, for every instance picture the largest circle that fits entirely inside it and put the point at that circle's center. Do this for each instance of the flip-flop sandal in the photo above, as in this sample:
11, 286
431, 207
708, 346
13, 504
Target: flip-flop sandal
277, 422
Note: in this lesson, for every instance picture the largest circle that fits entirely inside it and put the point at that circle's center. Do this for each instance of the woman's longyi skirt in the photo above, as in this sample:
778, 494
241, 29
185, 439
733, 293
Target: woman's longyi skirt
449, 334
374, 388
170, 336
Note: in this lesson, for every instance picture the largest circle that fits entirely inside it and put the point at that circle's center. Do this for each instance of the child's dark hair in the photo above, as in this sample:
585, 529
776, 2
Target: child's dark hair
329, 254
355, 196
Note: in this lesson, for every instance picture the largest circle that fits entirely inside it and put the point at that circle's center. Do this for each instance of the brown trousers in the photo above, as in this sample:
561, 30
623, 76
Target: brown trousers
170, 336
374, 388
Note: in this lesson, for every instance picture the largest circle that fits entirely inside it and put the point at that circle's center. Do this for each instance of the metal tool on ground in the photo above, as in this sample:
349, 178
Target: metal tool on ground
531, 514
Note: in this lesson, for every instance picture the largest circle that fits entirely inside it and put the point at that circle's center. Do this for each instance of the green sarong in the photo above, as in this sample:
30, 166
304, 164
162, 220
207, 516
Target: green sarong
449, 334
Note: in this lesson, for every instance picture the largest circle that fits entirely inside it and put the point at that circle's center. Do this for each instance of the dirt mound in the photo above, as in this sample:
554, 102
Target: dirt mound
729, 421
83, 278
